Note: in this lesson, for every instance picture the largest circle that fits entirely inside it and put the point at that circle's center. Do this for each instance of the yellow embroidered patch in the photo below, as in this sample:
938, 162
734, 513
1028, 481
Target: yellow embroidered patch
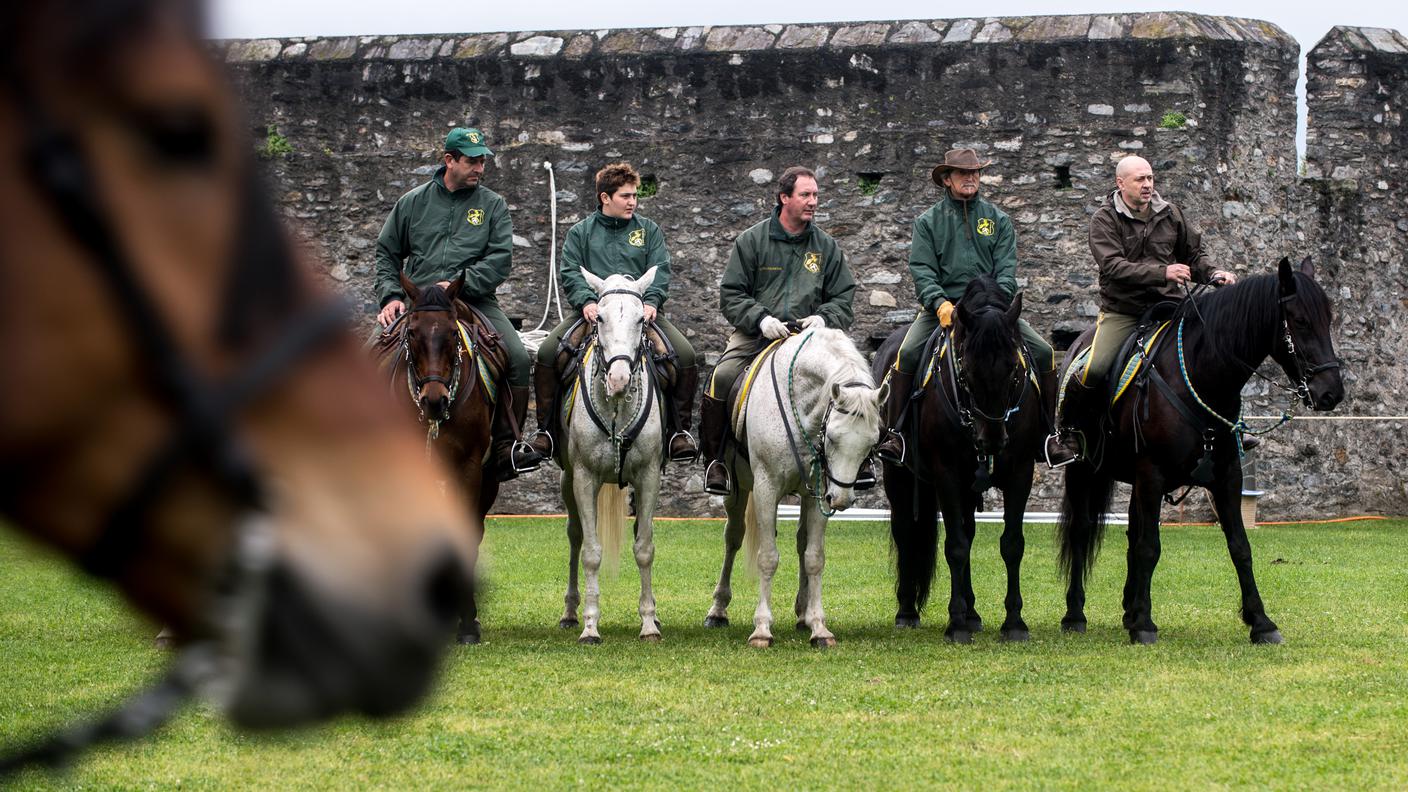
475, 217
636, 238
812, 261
986, 227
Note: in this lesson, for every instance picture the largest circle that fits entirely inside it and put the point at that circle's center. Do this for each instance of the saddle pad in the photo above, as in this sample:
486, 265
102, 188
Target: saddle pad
486, 377
753, 368
571, 399
1136, 362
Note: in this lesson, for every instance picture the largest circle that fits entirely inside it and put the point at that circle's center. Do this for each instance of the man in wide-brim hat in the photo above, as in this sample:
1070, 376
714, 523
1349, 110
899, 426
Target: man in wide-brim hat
958, 239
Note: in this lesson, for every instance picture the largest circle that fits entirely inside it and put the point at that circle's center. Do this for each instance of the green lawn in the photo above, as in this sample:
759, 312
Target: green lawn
532, 709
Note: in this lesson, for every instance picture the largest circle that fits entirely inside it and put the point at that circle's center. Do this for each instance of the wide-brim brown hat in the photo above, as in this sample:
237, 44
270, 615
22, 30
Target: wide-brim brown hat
958, 159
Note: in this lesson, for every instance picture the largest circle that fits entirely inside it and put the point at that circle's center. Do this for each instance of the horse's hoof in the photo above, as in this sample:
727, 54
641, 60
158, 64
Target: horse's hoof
650, 638
824, 642
760, 643
715, 621
959, 636
906, 622
568, 624
589, 639
1273, 637
1015, 636
1143, 637
468, 639
1073, 626
801, 626
975, 624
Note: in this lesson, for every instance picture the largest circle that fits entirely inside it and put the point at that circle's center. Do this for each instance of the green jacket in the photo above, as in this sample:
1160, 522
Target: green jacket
612, 246
436, 234
773, 273
955, 242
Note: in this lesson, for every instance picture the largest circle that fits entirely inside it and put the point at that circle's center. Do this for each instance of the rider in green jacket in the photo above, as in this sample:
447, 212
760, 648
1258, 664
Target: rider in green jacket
448, 226
782, 269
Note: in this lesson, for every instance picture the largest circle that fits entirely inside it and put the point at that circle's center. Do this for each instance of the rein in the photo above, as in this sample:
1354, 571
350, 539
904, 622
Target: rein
203, 431
414, 382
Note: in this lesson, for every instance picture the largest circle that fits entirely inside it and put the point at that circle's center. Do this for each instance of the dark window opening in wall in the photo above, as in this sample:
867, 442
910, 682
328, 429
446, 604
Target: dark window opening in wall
870, 182
1063, 177
648, 187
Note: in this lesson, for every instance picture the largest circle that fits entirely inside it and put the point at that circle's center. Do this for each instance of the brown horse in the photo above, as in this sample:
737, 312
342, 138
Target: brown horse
181, 409
433, 354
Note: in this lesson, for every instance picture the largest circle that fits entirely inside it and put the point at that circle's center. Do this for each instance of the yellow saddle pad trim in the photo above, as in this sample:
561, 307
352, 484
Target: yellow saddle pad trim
748, 380
577, 383
1136, 362
485, 377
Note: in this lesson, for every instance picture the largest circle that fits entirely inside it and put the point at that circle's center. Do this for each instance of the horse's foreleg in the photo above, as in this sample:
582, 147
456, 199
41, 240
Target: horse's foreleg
584, 489
733, 539
1226, 495
572, 598
956, 550
646, 492
1143, 553
765, 500
799, 606
469, 631
1013, 545
813, 561
972, 502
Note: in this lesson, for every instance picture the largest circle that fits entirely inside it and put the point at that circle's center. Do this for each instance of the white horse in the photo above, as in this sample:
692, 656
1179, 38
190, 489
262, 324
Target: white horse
811, 416
614, 437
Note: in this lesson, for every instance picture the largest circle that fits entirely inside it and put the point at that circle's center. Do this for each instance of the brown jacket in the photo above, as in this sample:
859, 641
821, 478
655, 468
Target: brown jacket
1132, 254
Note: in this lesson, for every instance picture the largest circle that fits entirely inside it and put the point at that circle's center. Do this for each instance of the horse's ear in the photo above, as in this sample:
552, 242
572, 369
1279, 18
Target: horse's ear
882, 393
1287, 277
408, 287
644, 281
1015, 310
456, 286
965, 317
1307, 267
593, 281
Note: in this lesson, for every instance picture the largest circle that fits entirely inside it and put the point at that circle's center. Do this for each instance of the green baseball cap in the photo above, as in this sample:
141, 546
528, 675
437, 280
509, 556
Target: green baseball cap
467, 141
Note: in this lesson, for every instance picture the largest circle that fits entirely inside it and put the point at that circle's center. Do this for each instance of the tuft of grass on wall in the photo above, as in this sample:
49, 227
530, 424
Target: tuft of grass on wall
1173, 120
274, 145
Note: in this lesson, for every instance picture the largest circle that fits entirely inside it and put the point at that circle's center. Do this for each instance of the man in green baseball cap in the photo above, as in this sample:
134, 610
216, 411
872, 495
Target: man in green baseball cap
450, 226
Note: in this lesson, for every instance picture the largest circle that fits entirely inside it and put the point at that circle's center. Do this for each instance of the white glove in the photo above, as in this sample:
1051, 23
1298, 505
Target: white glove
813, 321
772, 327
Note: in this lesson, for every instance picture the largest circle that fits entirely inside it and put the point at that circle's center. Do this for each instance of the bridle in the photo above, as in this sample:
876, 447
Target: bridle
203, 431
415, 382
961, 393
621, 438
1304, 370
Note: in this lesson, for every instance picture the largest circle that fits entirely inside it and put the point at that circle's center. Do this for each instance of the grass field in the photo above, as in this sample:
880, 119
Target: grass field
530, 708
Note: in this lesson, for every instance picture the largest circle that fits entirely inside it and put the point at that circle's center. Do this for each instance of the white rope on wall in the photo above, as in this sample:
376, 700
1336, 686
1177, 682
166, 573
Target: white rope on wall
532, 339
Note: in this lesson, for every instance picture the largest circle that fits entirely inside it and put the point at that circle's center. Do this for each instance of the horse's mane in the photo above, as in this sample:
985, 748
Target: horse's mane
988, 338
435, 297
1243, 318
842, 363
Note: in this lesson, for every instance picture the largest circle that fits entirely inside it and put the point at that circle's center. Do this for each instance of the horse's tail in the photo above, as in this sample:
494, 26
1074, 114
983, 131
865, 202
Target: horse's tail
914, 537
611, 523
1081, 527
751, 540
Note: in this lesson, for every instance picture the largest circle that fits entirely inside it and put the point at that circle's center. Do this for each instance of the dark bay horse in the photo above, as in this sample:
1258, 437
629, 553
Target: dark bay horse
433, 356
979, 425
183, 411
1180, 432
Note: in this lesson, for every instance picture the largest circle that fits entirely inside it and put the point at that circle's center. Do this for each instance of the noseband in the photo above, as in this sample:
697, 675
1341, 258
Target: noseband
415, 382
1304, 370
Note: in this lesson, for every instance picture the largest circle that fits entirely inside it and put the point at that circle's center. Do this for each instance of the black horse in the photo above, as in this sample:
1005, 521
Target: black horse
978, 425
1182, 431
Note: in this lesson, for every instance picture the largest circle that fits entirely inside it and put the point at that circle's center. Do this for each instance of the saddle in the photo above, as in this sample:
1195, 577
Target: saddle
572, 348
738, 394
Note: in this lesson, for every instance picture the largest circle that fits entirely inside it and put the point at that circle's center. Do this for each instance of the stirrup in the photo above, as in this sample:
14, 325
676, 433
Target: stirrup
1046, 452
904, 449
522, 447
552, 446
728, 481
865, 476
693, 453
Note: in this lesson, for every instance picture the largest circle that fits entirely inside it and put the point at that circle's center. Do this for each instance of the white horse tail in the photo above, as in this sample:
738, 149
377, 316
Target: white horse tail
751, 540
611, 523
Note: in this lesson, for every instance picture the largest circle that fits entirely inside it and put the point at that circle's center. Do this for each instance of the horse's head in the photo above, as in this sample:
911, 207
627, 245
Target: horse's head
986, 339
620, 323
433, 349
177, 375
1305, 350
852, 418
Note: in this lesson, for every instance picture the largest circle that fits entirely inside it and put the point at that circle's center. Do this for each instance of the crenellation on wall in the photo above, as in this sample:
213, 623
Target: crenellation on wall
714, 113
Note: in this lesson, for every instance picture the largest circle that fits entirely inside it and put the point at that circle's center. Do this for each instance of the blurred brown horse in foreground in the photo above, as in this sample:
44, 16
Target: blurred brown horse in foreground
183, 411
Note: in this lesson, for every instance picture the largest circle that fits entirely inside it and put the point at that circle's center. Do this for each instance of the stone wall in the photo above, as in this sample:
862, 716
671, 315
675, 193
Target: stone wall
712, 114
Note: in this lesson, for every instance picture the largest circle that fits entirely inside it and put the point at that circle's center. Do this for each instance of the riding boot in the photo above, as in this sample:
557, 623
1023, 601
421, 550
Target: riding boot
713, 429
545, 384
1063, 445
682, 445
891, 448
512, 456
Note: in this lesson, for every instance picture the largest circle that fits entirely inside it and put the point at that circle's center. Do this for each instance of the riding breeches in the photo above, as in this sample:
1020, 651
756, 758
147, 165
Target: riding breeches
924, 323
742, 348
1111, 330
684, 351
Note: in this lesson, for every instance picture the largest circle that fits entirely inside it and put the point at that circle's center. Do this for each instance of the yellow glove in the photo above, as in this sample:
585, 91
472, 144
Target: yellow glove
945, 314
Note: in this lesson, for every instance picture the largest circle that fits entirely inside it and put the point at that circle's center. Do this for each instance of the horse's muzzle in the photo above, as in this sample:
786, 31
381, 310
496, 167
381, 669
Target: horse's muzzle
309, 655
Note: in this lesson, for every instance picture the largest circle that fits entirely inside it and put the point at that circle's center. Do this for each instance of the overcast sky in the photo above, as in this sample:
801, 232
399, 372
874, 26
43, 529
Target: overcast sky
1306, 21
